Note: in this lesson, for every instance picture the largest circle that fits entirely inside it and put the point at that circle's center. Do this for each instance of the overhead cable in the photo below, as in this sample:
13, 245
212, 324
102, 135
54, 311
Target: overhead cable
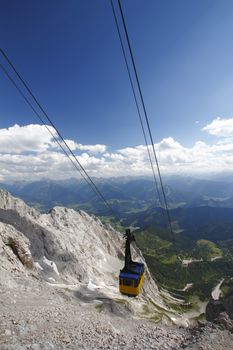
146, 116
136, 101
82, 171
41, 119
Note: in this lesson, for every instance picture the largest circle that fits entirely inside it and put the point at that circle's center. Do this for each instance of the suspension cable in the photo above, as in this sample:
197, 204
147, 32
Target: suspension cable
136, 101
89, 181
41, 119
146, 118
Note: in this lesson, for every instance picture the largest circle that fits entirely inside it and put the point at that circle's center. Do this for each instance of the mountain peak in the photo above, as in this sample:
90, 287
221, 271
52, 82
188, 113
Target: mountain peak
8, 202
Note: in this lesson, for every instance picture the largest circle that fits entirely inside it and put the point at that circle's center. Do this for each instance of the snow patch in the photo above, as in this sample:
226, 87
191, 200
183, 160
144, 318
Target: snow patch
186, 262
51, 264
52, 279
91, 286
38, 266
217, 291
187, 287
216, 258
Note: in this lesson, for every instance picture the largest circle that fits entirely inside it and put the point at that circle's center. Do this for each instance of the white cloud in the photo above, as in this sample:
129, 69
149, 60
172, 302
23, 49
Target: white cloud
37, 138
220, 127
72, 145
92, 148
30, 153
89, 148
168, 144
32, 138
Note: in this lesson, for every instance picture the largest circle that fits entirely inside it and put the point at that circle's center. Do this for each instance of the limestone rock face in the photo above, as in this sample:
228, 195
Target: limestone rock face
8, 202
65, 246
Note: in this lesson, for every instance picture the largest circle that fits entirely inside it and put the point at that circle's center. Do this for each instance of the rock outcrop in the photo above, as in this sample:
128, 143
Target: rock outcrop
221, 311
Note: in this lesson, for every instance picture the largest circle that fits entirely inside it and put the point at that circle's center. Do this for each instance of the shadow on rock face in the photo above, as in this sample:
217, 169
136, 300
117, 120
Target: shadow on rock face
213, 309
221, 311
119, 307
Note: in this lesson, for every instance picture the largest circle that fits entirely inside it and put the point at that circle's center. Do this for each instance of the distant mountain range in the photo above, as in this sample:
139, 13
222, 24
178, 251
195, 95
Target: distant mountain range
182, 218
125, 194
196, 205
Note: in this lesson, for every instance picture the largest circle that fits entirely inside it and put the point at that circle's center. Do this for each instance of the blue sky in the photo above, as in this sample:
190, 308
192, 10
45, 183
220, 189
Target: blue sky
69, 53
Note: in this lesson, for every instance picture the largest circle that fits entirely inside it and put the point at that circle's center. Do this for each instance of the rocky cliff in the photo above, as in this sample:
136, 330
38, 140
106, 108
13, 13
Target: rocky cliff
65, 247
59, 286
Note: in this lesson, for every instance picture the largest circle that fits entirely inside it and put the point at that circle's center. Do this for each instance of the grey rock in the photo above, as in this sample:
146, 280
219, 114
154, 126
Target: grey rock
225, 321
213, 309
228, 304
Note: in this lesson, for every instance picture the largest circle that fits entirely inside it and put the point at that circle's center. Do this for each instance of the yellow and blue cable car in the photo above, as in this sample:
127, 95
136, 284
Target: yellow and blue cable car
132, 275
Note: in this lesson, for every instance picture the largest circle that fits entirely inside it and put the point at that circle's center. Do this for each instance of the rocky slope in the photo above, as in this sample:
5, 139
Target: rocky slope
59, 287
65, 247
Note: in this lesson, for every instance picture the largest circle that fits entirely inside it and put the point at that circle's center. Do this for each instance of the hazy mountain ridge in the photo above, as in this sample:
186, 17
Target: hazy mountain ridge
126, 195
185, 218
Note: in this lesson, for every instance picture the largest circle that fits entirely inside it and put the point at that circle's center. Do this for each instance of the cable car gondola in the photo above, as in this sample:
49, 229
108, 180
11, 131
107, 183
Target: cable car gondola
132, 275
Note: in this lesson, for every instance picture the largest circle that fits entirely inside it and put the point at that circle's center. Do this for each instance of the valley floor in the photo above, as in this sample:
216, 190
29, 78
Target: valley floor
39, 316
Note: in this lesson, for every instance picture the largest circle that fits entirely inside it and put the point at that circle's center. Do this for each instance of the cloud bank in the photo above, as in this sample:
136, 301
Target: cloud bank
30, 153
220, 127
